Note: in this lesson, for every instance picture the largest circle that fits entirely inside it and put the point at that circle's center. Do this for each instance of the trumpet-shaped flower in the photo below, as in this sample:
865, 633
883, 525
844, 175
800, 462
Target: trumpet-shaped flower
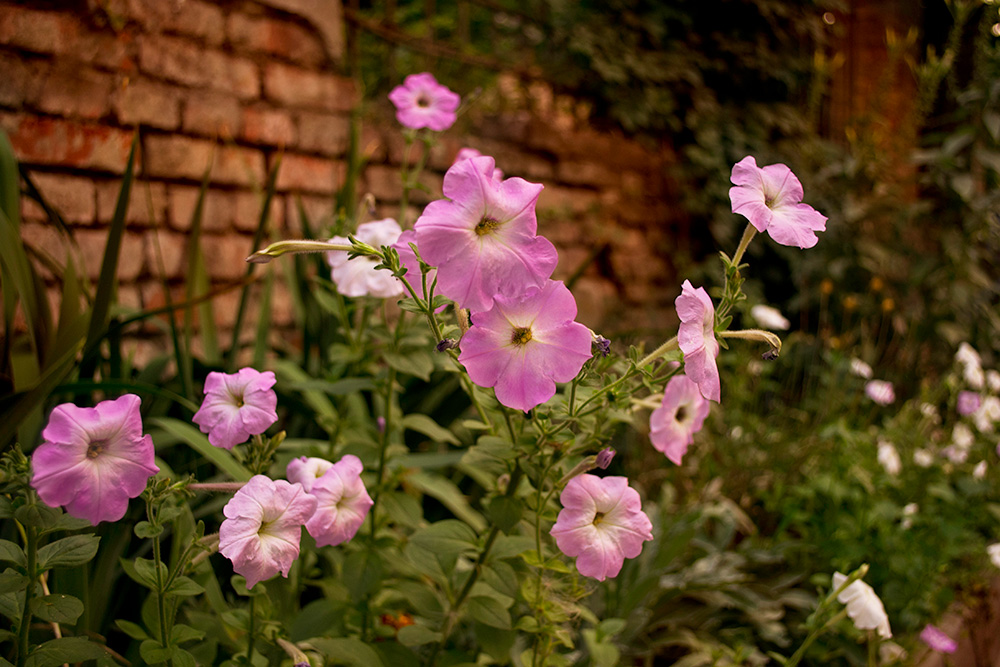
696, 338
467, 153
601, 524
423, 102
263, 526
681, 414
93, 460
306, 470
938, 641
769, 317
880, 391
236, 406
863, 606
482, 238
523, 346
343, 503
359, 277
771, 199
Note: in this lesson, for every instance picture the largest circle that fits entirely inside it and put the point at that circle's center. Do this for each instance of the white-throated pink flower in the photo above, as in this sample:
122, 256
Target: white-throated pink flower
681, 414
863, 606
423, 102
696, 338
306, 470
343, 503
482, 238
601, 524
771, 199
522, 346
358, 276
468, 153
880, 391
236, 406
263, 527
93, 460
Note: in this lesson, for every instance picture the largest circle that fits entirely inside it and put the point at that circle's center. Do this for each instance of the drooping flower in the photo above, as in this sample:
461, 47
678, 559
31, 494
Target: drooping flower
888, 458
863, 606
935, 637
468, 153
968, 402
769, 317
523, 346
696, 338
306, 470
681, 414
93, 460
423, 102
880, 391
263, 526
861, 369
482, 238
236, 406
993, 551
359, 277
601, 524
343, 503
771, 199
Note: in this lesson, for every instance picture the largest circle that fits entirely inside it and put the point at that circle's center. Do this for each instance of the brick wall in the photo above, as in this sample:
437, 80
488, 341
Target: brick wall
235, 83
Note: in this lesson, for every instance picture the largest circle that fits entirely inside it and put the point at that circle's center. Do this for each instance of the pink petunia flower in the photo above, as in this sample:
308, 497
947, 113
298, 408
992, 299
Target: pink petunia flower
523, 346
934, 637
343, 503
263, 526
771, 199
468, 153
696, 338
880, 391
93, 460
306, 470
681, 414
968, 402
236, 406
359, 277
482, 238
601, 524
423, 102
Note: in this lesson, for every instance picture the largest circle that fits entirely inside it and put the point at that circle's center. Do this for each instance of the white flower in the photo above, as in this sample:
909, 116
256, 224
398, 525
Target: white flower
987, 414
967, 355
923, 458
889, 652
861, 369
979, 472
962, 436
888, 458
993, 381
880, 391
931, 412
955, 454
974, 376
769, 318
994, 551
358, 276
863, 606
909, 511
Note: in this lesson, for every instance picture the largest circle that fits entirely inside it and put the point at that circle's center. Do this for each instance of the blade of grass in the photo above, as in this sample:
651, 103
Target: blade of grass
18, 278
126, 386
263, 322
195, 264
197, 440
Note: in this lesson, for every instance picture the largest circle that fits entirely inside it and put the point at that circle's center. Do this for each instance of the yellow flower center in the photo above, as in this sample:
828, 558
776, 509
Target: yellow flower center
598, 518
487, 225
95, 448
521, 335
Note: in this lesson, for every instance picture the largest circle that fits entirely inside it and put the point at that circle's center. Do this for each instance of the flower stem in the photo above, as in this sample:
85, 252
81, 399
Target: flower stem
658, 352
279, 248
383, 446
252, 630
216, 487
797, 656
31, 556
748, 235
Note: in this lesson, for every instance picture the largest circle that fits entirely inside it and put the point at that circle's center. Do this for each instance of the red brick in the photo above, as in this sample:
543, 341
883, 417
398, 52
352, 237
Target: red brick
271, 127
216, 214
282, 310
71, 90
147, 202
586, 173
172, 248
72, 197
212, 114
297, 87
38, 31
594, 298
276, 38
239, 166
202, 20
108, 49
318, 210
233, 75
228, 255
186, 62
246, 214
67, 143
384, 183
22, 79
148, 103
328, 134
130, 259
182, 157
313, 174
574, 200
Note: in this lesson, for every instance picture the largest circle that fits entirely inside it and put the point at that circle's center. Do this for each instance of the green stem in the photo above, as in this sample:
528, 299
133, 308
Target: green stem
748, 235
252, 630
161, 611
31, 556
668, 346
383, 446
797, 656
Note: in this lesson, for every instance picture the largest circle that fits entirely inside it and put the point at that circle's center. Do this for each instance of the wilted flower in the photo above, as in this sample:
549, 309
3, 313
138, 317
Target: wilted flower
359, 277
979, 472
696, 338
769, 318
482, 238
863, 606
967, 403
306, 470
923, 458
93, 460
993, 551
601, 524
263, 526
681, 414
937, 639
861, 369
888, 457
468, 153
236, 406
423, 102
771, 199
343, 503
880, 391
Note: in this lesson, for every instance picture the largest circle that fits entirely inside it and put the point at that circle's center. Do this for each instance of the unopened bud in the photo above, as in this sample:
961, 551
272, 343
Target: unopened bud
604, 458
446, 344
602, 345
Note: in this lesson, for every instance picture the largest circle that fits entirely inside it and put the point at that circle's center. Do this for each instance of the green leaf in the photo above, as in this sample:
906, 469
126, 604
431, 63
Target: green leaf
68, 552
183, 587
144, 530
141, 571
198, 441
181, 633
56, 652
362, 573
445, 537
410, 305
430, 428
154, 652
6, 508
57, 608
133, 630
506, 512
489, 611
347, 651
182, 658
417, 635
12, 553
37, 515
11, 581
419, 364
67, 523
447, 492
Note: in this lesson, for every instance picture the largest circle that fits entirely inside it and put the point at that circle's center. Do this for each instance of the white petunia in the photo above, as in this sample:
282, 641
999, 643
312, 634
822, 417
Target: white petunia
863, 606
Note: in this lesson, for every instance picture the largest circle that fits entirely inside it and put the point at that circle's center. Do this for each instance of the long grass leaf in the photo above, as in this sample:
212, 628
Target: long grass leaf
125, 386
15, 409
10, 187
261, 347
198, 441
17, 273
194, 264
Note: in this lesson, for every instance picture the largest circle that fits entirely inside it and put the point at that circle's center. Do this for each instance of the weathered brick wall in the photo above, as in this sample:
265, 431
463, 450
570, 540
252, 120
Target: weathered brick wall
238, 83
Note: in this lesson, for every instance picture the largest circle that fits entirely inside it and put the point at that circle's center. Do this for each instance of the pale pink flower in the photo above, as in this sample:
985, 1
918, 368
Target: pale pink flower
306, 470
993, 551
468, 153
987, 415
681, 414
263, 526
696, 338
979, 471
482, 238
968, 402
861, 369
236, 406
863, 606
769, 317
888, 458
771, 199
601, 524
358, 276
343, 503
880, 391
93, 460
423, 102
934, 637
523, 346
